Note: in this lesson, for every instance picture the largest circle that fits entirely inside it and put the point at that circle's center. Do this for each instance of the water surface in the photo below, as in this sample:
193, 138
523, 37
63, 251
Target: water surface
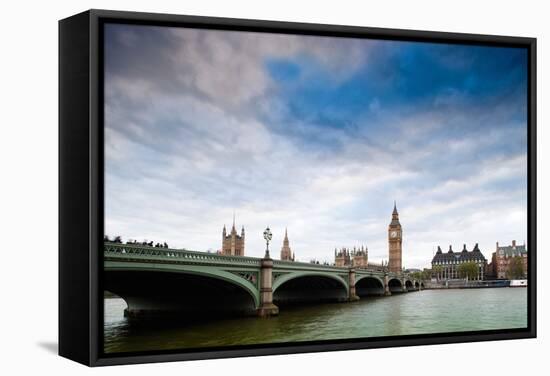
428, 311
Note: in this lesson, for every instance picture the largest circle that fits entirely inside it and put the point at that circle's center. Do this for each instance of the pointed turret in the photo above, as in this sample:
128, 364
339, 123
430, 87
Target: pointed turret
286, 253
450, 249
232, 243
439, 251
464, 250
394, 215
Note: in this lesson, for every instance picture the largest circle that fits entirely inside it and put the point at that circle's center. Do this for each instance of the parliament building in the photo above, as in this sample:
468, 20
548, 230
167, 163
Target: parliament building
358, 257
232, 243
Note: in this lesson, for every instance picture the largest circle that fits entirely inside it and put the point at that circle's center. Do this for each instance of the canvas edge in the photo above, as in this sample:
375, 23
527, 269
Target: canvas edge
95, 178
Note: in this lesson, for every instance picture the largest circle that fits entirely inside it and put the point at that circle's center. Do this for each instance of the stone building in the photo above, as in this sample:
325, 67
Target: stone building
358, 257
502, 257
395, 242
286, 253
342, 257
232, 243
445, 265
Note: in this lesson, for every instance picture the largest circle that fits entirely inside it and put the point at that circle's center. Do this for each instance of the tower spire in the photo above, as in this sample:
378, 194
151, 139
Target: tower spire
286, 253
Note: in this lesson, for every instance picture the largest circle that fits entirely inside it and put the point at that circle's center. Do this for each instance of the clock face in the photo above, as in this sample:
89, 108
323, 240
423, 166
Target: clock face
393, 234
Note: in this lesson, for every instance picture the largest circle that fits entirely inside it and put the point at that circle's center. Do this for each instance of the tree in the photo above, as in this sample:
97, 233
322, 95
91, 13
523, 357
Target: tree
468, 270
515, 268
426, 274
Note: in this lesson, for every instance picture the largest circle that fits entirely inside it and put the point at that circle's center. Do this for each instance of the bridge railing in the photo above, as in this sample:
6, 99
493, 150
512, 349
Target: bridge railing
143, 251
308, 265
183, 255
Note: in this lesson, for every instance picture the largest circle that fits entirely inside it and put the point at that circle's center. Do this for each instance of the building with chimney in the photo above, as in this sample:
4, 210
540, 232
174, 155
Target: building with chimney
445, 266
286, 253
502, 259
232, 243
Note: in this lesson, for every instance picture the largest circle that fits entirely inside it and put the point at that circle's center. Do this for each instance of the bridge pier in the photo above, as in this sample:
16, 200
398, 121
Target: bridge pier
266, 308
352, 295
387, 291
404, 285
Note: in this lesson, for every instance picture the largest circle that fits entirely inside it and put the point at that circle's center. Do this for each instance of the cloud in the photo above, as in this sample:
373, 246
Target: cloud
201, 123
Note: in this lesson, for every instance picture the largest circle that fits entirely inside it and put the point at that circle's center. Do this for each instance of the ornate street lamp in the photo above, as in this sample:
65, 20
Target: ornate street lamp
267, 236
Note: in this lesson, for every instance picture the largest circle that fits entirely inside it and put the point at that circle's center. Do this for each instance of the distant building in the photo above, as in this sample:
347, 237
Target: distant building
500, 261
286, 253
445, 265
232, 244
395, 242
342, 257
358, 257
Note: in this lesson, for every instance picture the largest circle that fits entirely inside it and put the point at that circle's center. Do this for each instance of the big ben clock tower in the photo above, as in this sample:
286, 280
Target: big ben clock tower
395, 240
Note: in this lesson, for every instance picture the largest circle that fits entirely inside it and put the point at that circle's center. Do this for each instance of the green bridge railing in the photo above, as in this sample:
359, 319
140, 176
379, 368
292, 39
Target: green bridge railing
142, 252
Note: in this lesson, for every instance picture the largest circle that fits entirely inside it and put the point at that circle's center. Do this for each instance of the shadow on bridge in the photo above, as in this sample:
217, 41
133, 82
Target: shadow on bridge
178, 295
310, 289
395, 286
369, 286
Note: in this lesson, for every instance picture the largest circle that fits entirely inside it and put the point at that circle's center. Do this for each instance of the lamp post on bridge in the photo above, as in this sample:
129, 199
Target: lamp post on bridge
267, 308
267, 236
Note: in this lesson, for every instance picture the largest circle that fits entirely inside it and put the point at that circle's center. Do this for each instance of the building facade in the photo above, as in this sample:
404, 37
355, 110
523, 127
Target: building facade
395, 242
502, 259
232, 243
445, 266
358, 257
286, 253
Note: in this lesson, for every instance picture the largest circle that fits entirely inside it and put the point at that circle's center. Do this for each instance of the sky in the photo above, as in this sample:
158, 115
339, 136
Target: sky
315, 134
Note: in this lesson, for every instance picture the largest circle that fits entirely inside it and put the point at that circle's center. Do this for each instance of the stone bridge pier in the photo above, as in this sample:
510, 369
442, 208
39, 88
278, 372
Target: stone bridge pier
352, 295
181, 283
267, 308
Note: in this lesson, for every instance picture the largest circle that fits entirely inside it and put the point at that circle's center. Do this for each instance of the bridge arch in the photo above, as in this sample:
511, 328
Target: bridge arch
416, 285
369, 285
187, 289
395, 285
409, 285
306, 287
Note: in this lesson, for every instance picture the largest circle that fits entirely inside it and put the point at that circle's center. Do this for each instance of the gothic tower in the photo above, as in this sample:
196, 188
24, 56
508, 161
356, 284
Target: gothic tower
232, 244
395, 240
286, 253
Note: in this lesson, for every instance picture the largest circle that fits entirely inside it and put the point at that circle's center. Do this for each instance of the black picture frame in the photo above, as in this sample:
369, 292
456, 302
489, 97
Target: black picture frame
81, 185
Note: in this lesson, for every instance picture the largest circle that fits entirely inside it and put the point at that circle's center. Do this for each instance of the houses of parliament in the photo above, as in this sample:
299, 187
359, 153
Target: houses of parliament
358, 257
233, 245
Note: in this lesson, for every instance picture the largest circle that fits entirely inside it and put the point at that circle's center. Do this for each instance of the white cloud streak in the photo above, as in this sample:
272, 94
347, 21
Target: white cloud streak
186, 144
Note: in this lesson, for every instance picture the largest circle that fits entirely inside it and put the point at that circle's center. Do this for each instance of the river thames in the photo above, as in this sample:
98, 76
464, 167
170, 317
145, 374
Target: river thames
427, 311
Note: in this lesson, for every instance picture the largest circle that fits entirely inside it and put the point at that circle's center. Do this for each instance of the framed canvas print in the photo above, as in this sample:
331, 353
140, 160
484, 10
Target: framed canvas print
236, 187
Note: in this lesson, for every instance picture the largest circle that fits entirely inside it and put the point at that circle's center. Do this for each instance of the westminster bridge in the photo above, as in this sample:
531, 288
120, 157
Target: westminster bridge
160, 281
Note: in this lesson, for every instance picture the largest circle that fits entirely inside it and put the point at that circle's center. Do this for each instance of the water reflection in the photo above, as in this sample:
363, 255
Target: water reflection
428, 311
